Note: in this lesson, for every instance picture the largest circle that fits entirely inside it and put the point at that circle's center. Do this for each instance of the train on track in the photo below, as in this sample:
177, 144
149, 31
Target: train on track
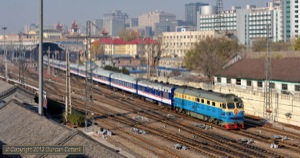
227, 110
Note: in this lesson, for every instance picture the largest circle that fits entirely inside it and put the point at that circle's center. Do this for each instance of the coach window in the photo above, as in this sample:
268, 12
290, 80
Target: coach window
197, 99
208, 102
202, 100
213, 103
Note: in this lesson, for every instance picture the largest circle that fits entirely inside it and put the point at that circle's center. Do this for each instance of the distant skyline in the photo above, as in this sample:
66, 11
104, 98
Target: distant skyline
14, 14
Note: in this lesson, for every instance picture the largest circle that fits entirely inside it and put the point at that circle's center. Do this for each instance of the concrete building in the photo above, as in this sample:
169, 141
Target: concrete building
246, 78
74, 29
290, 19
28, 28
151, 18
136, 48
114, 22
132, 23
177, 44
279, 20
97, 27
191, 10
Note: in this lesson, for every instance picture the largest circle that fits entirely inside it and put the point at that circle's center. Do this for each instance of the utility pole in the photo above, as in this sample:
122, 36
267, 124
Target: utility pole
21, 60
49, 60
41, 90
268, 108
68, 105
88, 73
5, 55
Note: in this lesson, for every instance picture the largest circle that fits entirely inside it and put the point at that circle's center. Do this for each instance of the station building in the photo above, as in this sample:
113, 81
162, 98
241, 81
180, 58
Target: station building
250, 74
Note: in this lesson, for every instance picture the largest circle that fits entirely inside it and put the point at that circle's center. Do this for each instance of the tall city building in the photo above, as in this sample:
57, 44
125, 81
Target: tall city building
28, 28
151, 18
191, 10
290, 18
114, 22
279, 20
97, 26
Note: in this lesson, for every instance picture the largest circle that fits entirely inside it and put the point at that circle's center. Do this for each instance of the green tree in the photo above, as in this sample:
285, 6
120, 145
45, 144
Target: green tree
129, 35
75, 118
210, 55
297, 44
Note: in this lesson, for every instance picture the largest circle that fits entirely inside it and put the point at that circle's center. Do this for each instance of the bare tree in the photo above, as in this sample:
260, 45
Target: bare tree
129, 35
208, 56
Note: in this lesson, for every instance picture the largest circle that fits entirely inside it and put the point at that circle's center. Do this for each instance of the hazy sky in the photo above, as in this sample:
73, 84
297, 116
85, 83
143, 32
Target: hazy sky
14, 14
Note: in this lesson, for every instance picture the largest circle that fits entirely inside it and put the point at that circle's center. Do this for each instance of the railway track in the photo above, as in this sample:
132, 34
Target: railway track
219, 146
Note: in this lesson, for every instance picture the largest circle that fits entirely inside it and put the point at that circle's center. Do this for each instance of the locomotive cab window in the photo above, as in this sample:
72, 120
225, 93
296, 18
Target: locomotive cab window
239, 105
230, 105
223, 106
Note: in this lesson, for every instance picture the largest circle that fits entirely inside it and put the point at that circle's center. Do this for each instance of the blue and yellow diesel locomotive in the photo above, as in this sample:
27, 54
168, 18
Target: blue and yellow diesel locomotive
224, 109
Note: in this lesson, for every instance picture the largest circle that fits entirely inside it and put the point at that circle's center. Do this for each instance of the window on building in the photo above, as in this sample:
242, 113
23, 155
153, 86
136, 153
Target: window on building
249, 83
259, 84
297, 88
219, 79
238, 81
272, 85
284, 87
228, 80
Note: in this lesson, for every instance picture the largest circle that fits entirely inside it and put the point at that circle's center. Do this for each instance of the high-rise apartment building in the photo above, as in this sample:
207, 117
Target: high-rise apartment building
290, 18
191, 10
97, 26
151, 18
279, 20
114, 22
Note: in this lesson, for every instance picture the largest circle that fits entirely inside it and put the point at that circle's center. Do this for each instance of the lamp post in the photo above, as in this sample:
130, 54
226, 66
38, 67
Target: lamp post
5, 54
